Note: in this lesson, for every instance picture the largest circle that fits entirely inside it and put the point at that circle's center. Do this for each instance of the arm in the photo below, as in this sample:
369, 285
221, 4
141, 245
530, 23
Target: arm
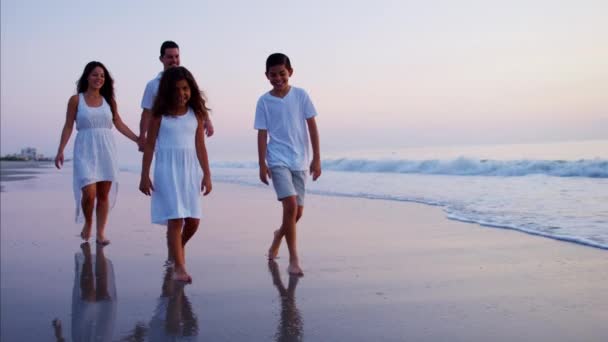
145, 184
262, 143
122, 127
315, 164
70, 118
144, 122
203, 159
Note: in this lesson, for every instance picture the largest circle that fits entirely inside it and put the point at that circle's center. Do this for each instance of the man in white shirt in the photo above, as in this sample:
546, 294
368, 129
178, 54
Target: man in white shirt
169, 56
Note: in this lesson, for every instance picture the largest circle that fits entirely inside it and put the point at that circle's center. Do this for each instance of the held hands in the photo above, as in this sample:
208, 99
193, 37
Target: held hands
146, 186
141, 142
315, 169
206, 185
264, 173
59, 160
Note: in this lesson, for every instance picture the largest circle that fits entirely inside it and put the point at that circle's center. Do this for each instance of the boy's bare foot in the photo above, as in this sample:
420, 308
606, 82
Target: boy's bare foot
85, 233
294, 269
273, 251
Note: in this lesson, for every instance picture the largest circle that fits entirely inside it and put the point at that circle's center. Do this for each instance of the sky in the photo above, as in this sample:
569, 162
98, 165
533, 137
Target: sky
380, 73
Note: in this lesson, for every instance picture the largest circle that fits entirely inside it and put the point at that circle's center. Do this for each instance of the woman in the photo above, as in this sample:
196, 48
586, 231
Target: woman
95, 165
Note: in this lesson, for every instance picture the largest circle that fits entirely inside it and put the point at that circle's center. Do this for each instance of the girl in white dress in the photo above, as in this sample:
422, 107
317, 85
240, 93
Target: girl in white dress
181, 170
95, 166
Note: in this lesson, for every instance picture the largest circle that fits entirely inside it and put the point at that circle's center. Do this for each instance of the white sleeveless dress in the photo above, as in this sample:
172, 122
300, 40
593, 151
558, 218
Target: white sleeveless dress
94, 151
177, 172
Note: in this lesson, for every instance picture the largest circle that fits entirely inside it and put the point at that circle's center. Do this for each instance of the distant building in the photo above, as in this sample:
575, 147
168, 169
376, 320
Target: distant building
29, 153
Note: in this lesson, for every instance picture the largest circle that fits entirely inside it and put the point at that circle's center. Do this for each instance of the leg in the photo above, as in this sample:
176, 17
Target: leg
103, 207
87, 201
190, 227
176, 249
290, 212
273, 251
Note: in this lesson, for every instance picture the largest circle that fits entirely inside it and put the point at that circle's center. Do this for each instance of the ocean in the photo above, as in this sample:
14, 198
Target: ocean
556, 190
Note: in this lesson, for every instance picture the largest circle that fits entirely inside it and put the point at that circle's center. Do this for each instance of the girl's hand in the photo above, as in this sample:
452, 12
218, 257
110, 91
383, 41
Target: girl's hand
59, 160
206, 185
146, 186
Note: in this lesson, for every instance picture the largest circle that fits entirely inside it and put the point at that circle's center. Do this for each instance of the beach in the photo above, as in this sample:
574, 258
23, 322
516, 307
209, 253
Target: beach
375, 270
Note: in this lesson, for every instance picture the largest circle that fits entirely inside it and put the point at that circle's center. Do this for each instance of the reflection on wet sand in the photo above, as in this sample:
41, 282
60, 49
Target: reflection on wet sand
290, 326
93, 298
173, 318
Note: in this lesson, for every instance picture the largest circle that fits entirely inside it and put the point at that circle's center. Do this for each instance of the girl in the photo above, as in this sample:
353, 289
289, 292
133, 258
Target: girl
181, 170
95, 166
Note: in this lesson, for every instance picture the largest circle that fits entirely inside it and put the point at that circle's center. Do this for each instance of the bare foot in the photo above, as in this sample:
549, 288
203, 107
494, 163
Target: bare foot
273, 251
85, 233
102, 242
294, 269
182, 276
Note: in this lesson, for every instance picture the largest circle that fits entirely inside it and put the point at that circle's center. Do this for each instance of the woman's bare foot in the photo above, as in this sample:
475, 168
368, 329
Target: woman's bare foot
273, 251
294, 269
85, 233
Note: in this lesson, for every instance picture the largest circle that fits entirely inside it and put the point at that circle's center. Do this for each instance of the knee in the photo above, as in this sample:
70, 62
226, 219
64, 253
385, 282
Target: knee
290, 207
102, 197
88, 198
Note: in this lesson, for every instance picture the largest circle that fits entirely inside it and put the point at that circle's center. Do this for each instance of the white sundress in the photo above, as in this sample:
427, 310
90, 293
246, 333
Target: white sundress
177, 172
94, 151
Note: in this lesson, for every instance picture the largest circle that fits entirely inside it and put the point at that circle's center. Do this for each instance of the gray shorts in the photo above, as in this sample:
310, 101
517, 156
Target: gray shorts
288, 183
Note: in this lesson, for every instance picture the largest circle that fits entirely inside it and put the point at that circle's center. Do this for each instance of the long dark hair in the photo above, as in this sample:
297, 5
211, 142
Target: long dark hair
107, 90
166, 99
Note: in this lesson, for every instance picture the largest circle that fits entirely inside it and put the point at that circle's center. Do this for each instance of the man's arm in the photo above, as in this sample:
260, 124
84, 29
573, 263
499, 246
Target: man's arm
146, 115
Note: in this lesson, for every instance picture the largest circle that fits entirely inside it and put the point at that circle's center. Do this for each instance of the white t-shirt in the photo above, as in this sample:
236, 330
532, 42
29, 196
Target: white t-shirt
285, 120
147, 101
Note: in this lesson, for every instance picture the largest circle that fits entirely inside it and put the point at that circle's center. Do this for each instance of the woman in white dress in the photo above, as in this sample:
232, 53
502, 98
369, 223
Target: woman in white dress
94, 111
181, 169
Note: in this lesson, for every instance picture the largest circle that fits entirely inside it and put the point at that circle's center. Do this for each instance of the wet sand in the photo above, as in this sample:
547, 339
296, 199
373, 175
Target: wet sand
374, 271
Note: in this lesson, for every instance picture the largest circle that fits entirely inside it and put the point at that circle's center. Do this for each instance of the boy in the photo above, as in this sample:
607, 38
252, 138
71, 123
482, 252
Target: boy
286, 115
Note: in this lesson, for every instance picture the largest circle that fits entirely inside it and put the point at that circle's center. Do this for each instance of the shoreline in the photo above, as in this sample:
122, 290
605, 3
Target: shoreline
396, 270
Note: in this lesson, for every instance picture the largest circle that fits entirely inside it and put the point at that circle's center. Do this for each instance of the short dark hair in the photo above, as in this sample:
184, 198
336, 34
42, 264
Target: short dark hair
277, 59
169, 44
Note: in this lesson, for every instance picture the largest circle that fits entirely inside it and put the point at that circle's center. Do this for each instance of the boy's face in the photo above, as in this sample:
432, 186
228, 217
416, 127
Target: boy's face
170, 58
278, 75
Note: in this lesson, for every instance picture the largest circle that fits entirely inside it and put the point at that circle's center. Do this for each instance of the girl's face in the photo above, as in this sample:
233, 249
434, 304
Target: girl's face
278, 75
182, 92
96, 78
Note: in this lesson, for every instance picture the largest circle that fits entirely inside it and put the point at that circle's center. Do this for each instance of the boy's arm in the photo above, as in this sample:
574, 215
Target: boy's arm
262, 143
315, 164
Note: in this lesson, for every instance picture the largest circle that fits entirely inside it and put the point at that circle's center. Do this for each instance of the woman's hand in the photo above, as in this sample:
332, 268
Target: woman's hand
59, 160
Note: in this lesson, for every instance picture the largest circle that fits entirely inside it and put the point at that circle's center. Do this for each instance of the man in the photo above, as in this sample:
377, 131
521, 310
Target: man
169, 56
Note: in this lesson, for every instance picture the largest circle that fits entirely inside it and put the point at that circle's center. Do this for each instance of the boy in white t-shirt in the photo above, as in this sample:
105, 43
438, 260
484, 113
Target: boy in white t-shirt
284, 118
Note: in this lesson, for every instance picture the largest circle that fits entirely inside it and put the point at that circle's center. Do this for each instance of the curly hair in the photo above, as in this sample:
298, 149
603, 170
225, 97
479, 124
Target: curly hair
166, 99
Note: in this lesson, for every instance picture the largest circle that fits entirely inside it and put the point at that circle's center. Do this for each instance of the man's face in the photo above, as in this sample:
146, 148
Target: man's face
170, 58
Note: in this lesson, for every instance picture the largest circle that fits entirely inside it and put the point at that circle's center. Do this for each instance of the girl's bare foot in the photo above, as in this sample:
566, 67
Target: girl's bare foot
182, 276
294, 269
273, 251
85, 233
